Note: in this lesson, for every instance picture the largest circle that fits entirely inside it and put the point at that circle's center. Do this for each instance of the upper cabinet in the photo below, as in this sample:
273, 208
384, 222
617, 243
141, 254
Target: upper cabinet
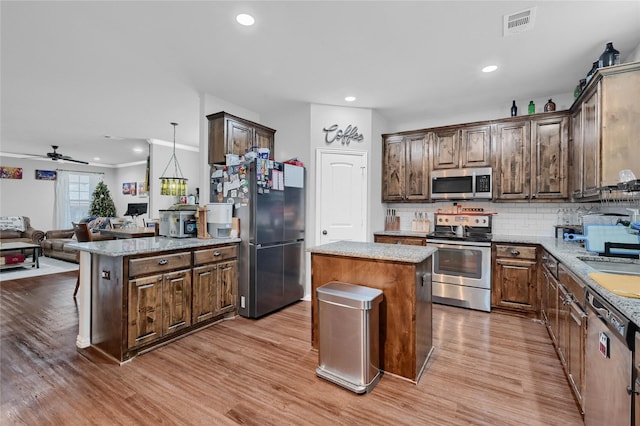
531, 158
467, 146
605, 128
512, 146
229, 134
405, 168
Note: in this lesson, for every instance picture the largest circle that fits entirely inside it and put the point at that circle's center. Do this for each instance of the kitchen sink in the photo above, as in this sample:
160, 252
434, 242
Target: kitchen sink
623, 268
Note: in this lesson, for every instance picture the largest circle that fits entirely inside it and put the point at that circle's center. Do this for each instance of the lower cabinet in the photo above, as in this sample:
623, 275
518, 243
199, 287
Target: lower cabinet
214, 290
403, 239
141, 301
514, 283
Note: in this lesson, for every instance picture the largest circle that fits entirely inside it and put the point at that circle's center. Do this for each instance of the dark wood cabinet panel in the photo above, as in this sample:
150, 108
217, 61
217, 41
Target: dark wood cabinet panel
227, 286
475, 144
550, 157
176, 299
575, 154
591, 145
513, 148
239, 137
515, 282
446, 148
393, 174
204, 293
417, 173
145, 310
404, 239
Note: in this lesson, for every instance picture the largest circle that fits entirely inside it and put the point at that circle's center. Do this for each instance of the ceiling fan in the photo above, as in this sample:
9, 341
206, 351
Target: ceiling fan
55, 156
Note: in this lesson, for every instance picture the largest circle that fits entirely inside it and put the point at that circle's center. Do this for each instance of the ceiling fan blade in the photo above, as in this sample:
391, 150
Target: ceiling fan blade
75, 161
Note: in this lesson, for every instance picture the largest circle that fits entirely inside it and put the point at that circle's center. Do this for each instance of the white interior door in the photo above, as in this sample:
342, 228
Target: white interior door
341, 184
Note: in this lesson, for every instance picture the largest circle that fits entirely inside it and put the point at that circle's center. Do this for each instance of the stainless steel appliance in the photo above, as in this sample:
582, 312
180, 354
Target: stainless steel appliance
457, 184
177, 223
268, 199
609, 356
462, 264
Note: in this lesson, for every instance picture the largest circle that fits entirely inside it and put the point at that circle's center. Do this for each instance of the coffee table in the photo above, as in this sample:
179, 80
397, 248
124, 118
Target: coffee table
22, 247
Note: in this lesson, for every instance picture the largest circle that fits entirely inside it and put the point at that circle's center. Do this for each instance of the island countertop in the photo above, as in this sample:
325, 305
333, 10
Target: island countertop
132, 246
380, 251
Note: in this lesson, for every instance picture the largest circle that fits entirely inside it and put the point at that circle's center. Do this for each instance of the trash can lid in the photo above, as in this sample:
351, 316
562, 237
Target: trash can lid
353, 295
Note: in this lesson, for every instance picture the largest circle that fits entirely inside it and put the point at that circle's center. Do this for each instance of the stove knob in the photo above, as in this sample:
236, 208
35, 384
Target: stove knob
477, 220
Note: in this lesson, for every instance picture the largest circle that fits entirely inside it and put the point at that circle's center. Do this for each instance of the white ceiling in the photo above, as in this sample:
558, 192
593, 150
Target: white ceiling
73, 72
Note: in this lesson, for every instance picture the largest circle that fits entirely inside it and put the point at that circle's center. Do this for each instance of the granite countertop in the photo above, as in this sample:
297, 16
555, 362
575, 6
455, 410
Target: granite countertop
393, 252
132, 246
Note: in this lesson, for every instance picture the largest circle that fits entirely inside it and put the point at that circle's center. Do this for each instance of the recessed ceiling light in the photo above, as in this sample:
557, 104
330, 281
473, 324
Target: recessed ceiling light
490, 68
137, 150
350, 98
96, 158
245, 19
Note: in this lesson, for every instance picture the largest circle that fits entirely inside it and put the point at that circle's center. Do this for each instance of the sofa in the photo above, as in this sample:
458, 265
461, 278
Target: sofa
55, 243
19, 229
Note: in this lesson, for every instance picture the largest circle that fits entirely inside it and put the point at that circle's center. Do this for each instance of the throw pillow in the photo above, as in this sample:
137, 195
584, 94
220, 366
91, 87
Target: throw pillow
13, 223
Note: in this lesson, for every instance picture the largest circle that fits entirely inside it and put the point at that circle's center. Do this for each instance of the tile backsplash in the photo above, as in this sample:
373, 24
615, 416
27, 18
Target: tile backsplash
538, 219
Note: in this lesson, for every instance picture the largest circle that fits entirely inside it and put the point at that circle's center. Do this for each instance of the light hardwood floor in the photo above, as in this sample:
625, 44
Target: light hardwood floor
487, 369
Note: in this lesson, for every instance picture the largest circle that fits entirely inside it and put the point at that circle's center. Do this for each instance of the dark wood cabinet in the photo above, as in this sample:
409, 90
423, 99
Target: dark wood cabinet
176, 299
466, 146
513, 160
405, 172
145, 300
514, 283
549, 157
229, 134
400, 239
532, 158
605, 129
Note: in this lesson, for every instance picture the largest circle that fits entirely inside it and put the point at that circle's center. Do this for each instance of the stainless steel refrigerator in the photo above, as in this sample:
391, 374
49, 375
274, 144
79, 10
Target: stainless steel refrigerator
269, 200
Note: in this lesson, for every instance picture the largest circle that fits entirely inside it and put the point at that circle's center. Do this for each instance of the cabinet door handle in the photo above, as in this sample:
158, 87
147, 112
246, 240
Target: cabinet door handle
515, 252
216, 253
163, 262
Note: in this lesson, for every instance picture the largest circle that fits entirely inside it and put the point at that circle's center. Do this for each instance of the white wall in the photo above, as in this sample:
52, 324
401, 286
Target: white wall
135, 173
36, 198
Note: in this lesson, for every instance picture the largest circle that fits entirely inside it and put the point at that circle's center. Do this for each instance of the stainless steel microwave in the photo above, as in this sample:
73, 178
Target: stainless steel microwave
462, 184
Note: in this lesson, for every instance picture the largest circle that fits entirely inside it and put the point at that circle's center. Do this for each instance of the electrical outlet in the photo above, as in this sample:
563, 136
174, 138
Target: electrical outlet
242, 302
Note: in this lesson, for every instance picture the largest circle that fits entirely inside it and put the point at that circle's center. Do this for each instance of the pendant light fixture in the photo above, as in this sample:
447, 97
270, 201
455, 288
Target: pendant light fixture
176, 184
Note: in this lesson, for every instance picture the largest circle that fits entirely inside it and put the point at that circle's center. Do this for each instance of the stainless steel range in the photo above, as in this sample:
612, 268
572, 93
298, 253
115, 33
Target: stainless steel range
462, 264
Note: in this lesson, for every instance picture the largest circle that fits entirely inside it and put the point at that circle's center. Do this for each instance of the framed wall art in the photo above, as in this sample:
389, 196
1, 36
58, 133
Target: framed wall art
46, 174
10, 172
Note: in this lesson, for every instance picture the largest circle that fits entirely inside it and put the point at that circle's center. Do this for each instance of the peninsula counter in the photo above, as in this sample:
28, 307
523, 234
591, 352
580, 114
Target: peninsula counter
403, 273
138, 292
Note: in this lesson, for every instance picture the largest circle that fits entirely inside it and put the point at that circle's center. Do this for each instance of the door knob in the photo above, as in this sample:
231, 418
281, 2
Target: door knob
324, 232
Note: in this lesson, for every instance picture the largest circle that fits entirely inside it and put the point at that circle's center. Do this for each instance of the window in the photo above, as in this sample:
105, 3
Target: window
73, 196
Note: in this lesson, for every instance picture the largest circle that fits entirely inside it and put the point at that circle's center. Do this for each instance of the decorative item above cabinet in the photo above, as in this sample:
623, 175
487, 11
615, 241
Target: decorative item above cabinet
229, 134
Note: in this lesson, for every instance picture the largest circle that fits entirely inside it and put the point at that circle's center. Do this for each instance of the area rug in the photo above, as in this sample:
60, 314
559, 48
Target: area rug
47, 266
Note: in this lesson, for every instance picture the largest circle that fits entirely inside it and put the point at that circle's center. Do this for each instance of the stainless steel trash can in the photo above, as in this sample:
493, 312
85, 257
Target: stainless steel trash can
348, 335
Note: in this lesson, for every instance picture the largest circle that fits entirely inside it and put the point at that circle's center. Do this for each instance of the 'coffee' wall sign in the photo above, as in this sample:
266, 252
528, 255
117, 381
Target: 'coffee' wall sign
332, 134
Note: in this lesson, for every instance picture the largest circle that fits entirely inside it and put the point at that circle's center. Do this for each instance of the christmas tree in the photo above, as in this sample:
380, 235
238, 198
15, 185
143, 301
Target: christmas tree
101, 204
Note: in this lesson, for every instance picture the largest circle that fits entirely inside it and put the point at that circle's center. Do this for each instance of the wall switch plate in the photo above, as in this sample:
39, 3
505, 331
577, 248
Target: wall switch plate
242, 302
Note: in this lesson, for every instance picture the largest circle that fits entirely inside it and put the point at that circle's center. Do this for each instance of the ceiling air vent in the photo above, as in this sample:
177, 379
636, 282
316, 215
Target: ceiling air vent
519, 22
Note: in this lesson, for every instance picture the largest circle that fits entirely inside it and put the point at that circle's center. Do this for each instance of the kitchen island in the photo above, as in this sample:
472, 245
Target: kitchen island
138, 293
403, 273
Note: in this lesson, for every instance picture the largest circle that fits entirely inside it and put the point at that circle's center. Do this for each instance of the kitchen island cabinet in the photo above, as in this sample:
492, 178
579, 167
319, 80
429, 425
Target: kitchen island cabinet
137, 294
403, 273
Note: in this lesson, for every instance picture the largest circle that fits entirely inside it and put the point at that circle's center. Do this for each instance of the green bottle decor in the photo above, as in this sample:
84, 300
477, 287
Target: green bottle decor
532, 107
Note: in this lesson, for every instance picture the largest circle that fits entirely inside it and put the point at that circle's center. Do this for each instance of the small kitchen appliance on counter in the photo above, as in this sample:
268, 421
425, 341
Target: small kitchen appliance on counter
462, 264
219, 219
178, 222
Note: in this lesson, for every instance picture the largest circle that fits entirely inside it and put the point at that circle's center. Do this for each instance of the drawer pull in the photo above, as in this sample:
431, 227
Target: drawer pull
515, 252
216, 253
163, 262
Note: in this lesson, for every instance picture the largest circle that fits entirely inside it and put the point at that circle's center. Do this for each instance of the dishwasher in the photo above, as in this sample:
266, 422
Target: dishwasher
609, 365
